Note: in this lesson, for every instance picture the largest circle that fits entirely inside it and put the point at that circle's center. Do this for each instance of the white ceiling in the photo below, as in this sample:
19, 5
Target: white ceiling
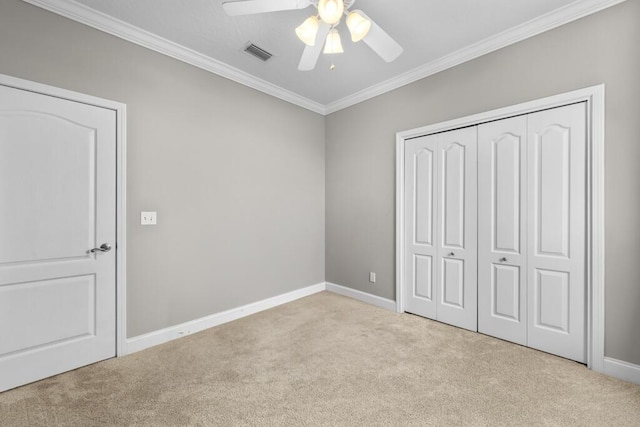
435, 34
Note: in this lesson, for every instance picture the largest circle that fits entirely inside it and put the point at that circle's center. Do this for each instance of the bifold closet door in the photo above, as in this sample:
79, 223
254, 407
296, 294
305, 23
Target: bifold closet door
556, 162
440, 227
457, 301
420, 225
531, 230
511, 264
502, 229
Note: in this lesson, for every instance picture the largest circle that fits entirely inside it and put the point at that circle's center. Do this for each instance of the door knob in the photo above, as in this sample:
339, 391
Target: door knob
451, 254
105, 247
503, 259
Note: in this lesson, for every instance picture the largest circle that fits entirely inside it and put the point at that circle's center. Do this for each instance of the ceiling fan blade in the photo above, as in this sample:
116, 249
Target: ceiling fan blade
381, 42
249, 7
312, 53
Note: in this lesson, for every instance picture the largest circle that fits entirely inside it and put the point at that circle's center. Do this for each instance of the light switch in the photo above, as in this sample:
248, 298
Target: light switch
148, 218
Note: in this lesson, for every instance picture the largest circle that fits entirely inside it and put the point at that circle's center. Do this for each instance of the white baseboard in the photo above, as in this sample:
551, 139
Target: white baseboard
622, 370
362, 296
161, 336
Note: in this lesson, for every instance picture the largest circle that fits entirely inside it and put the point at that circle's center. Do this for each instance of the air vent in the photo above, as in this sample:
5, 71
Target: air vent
258, 52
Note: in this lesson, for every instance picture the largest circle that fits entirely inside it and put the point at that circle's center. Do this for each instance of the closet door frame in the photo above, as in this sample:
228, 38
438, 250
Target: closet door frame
594, 98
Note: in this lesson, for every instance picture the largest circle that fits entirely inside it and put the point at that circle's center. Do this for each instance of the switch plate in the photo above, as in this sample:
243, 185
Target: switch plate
372, 277
148, 218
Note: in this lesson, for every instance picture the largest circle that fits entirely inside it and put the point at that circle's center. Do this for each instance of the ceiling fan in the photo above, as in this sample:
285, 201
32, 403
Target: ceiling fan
320, 30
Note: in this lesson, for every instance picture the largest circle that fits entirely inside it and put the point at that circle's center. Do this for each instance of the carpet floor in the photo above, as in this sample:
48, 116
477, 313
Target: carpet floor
328, 360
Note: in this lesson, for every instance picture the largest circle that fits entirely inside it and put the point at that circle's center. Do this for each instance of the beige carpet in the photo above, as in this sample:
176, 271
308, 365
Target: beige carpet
328, 360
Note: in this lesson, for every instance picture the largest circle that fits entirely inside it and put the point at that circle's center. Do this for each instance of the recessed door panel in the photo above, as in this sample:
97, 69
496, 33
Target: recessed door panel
423, 182
505, 292
453, 191
551, 300
452, 284
22, 331
423, 276
506, 177
556, 265
40, 225
550, 197
502, 220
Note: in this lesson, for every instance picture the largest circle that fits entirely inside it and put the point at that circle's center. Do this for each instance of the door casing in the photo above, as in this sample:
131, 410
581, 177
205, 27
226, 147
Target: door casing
595, 257
121, 115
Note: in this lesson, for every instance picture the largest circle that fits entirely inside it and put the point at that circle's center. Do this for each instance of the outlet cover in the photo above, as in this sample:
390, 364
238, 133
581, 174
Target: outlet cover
148, 218
372, 277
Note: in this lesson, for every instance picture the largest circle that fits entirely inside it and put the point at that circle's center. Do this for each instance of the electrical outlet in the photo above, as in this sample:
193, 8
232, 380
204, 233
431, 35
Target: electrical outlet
372, 277
148, 218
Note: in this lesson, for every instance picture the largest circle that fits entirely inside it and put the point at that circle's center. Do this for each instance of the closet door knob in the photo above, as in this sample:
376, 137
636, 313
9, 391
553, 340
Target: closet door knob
451, 254
503, 259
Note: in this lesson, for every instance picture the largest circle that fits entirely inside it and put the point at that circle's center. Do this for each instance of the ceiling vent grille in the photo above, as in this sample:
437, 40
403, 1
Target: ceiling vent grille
258, 52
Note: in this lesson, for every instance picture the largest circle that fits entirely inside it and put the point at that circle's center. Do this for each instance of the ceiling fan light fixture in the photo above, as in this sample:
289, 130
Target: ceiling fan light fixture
358, 25
331, 10
333, 43
308, 30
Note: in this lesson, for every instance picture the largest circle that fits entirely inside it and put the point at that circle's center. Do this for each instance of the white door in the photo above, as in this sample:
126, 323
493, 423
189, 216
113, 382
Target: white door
457, 302
57, 203
556, 238
440, 231
420, 230
502, 229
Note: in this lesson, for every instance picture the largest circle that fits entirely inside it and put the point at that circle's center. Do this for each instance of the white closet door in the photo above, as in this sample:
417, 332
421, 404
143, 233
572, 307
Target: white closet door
457, 222
420, 229
440, 231
556, 236
502, 231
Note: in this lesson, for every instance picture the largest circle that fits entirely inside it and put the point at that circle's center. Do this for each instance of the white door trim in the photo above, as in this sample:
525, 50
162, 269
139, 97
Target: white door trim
121, 224
594, 97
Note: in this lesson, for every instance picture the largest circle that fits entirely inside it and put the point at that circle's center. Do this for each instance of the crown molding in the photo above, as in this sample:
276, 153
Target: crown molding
549, 21
108, 24
85, 15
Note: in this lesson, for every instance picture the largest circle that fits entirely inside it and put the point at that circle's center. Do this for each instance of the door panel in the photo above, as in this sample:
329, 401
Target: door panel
453, 190
25, 331
67, 229
556, 266
423, 276
420, 217
453, 282
457, 235
551, 300
506, 190
505, 292
552, 169
423, 182
502, 219
57, 186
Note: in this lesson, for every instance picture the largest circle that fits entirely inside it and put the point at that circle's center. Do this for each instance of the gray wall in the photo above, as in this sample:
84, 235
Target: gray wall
237, 176
360, 157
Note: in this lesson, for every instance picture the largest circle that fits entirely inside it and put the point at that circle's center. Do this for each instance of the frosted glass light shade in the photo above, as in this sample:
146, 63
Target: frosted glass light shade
358, 25
333, 44
308, 30
331, 10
